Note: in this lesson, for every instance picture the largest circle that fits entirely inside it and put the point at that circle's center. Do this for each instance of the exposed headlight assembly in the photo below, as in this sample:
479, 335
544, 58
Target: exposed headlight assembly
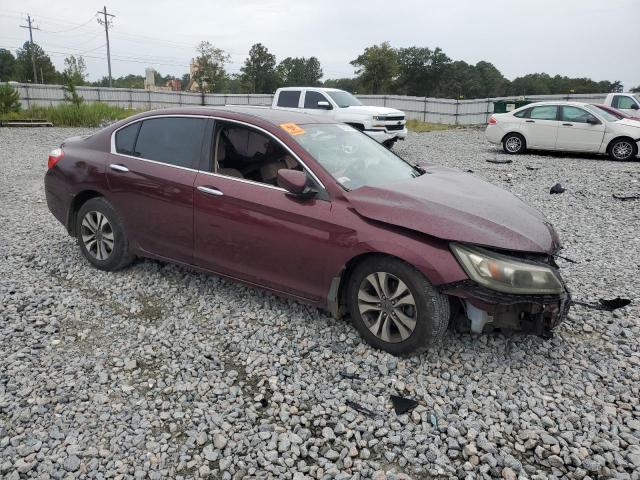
507, 274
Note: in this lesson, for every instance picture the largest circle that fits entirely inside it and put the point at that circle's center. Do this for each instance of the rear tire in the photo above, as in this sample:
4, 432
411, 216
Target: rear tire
622, 149
395, 308
101, 236
514, 144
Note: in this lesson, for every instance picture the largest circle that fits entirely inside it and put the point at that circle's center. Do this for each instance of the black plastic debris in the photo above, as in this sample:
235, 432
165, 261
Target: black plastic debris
350, 376
529, 167
402, 405
469, 170
359, 408
567, 259
625, 198
557, 188
499, 160
605, 305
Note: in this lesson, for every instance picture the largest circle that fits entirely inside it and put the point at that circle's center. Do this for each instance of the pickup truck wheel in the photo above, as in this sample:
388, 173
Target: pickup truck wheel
514, 143
623, 149
395, 308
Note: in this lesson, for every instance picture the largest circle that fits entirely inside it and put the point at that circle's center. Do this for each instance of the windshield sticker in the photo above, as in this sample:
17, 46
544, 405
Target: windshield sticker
292, 129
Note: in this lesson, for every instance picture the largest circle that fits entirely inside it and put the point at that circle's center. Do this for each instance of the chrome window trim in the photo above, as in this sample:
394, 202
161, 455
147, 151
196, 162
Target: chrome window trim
239, 122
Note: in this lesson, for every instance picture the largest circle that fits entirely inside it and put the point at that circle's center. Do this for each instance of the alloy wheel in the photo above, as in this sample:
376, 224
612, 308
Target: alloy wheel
387, 307
513, 144
97, 235
622, 150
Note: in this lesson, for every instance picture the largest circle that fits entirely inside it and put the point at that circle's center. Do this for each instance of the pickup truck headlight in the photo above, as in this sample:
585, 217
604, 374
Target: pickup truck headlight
507, 274
379, 118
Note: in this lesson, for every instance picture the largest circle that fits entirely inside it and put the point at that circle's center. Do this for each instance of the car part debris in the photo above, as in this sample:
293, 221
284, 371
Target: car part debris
605, 305
350, 376
499, 160
529, 167
434, 421
403, 405
557, 188
359, 408
469, 170
566, 258
624, 198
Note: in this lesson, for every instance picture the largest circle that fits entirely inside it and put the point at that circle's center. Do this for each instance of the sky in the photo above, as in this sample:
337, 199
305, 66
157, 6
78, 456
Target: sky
599, 39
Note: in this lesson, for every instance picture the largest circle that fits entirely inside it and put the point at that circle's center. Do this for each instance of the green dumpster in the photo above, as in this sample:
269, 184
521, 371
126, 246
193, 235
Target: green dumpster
504, 106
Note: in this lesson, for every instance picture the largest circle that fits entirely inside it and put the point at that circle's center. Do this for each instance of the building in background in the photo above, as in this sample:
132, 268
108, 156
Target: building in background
174, 85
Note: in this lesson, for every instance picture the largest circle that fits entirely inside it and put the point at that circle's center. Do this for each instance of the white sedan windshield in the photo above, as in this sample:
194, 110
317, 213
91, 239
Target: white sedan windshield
353, 158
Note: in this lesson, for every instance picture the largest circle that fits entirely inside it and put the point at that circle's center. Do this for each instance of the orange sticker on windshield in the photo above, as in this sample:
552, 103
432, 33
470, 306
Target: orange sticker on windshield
292, 128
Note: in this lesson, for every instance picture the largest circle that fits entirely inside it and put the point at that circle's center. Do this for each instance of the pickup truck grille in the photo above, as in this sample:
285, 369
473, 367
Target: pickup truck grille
394, 119
395, 127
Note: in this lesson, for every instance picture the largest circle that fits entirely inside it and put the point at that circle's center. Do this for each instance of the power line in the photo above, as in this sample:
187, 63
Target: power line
106, 22
33, 58
72, 28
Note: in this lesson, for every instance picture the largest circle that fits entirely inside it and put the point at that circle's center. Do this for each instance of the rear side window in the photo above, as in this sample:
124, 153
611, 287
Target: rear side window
546, 112
174, 140
289, 98
126, 139
311, 99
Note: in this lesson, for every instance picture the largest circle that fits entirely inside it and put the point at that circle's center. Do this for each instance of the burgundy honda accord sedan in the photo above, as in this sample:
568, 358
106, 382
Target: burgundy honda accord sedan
313, 210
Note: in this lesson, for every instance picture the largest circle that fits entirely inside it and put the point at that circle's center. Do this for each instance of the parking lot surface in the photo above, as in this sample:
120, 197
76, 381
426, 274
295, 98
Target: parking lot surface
161, 372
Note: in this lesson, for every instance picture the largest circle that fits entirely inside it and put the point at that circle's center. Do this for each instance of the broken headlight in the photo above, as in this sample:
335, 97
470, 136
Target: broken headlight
507, 274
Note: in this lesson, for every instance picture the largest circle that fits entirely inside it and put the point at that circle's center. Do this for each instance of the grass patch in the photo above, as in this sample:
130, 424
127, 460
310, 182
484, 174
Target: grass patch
419, 127
69, 115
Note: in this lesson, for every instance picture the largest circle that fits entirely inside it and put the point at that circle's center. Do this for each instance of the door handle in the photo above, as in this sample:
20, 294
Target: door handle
531, 121
118, 168
210, 190
568, 124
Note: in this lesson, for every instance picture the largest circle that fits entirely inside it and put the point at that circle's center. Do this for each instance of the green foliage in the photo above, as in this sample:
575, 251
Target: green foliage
7, 65
299, 72
635, 89
9, 99
75, 70
418, 126
45, 71
130, 81
68, 115
259, 71
377, 67
70, 93
210, 74
348, 84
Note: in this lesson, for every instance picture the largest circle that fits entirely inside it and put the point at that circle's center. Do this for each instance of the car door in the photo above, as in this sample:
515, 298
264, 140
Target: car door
249, 228
151, 171
314, 101
627, 103
541, 127
579, 130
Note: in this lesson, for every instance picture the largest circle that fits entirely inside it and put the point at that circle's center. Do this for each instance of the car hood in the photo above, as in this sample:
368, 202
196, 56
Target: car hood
457, 206
629, 122
373, 110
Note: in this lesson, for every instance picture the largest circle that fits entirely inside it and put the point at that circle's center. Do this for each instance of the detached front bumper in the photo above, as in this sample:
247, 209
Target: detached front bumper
488, 309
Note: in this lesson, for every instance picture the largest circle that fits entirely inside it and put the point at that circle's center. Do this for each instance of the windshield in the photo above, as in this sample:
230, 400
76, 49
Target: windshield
606, 114
352, 158
344, 99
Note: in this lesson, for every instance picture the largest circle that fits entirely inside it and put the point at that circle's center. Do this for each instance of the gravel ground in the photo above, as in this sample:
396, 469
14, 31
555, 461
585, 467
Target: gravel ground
157, 371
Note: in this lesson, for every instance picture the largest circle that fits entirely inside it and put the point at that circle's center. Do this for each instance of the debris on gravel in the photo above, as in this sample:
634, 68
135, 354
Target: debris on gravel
158, 371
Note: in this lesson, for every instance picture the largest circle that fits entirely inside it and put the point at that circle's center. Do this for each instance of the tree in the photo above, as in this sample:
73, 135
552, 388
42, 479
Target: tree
45, 70
348, 84
376, 68
300, 72
210, 75
186, 78
7, 65
635, 89
259, 71
9, 99
75, 70
616, 87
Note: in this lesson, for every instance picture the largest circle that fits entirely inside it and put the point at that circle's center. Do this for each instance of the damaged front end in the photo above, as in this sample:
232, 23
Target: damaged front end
508, 292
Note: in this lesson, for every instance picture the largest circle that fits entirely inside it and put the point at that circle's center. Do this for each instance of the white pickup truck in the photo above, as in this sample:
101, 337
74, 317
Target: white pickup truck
628, 103
386, 125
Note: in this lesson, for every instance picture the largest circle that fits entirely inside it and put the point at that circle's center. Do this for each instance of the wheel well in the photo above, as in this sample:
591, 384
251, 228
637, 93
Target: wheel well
623, 137
77, 202
357, 126
514, 133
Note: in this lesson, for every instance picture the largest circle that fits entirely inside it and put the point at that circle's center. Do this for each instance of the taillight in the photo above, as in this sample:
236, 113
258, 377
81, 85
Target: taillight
54, 157
492, 121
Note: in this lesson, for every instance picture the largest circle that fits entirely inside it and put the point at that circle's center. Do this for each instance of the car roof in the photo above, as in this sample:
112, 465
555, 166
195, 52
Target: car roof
557, 102
249, 112
322, 89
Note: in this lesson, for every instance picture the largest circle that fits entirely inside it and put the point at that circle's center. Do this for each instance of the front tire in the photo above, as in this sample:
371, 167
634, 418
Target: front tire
514, 144
101, 236
395, 308
623, 149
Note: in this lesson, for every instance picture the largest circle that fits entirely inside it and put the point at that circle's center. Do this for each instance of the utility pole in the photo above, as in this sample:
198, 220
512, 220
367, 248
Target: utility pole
33, 58
107, 23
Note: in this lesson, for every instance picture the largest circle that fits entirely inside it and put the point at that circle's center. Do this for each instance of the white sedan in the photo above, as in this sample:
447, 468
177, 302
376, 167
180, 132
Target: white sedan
565, 126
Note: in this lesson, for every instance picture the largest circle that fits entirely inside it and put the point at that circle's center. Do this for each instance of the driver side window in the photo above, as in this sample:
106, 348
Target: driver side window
245, 153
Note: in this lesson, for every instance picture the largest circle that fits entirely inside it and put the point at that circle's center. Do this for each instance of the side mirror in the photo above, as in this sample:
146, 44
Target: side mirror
633, 107
593, 121
325, 105
295, 182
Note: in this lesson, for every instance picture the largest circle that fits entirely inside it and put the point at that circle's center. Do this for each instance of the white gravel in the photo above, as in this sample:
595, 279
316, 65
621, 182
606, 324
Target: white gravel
160, 372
